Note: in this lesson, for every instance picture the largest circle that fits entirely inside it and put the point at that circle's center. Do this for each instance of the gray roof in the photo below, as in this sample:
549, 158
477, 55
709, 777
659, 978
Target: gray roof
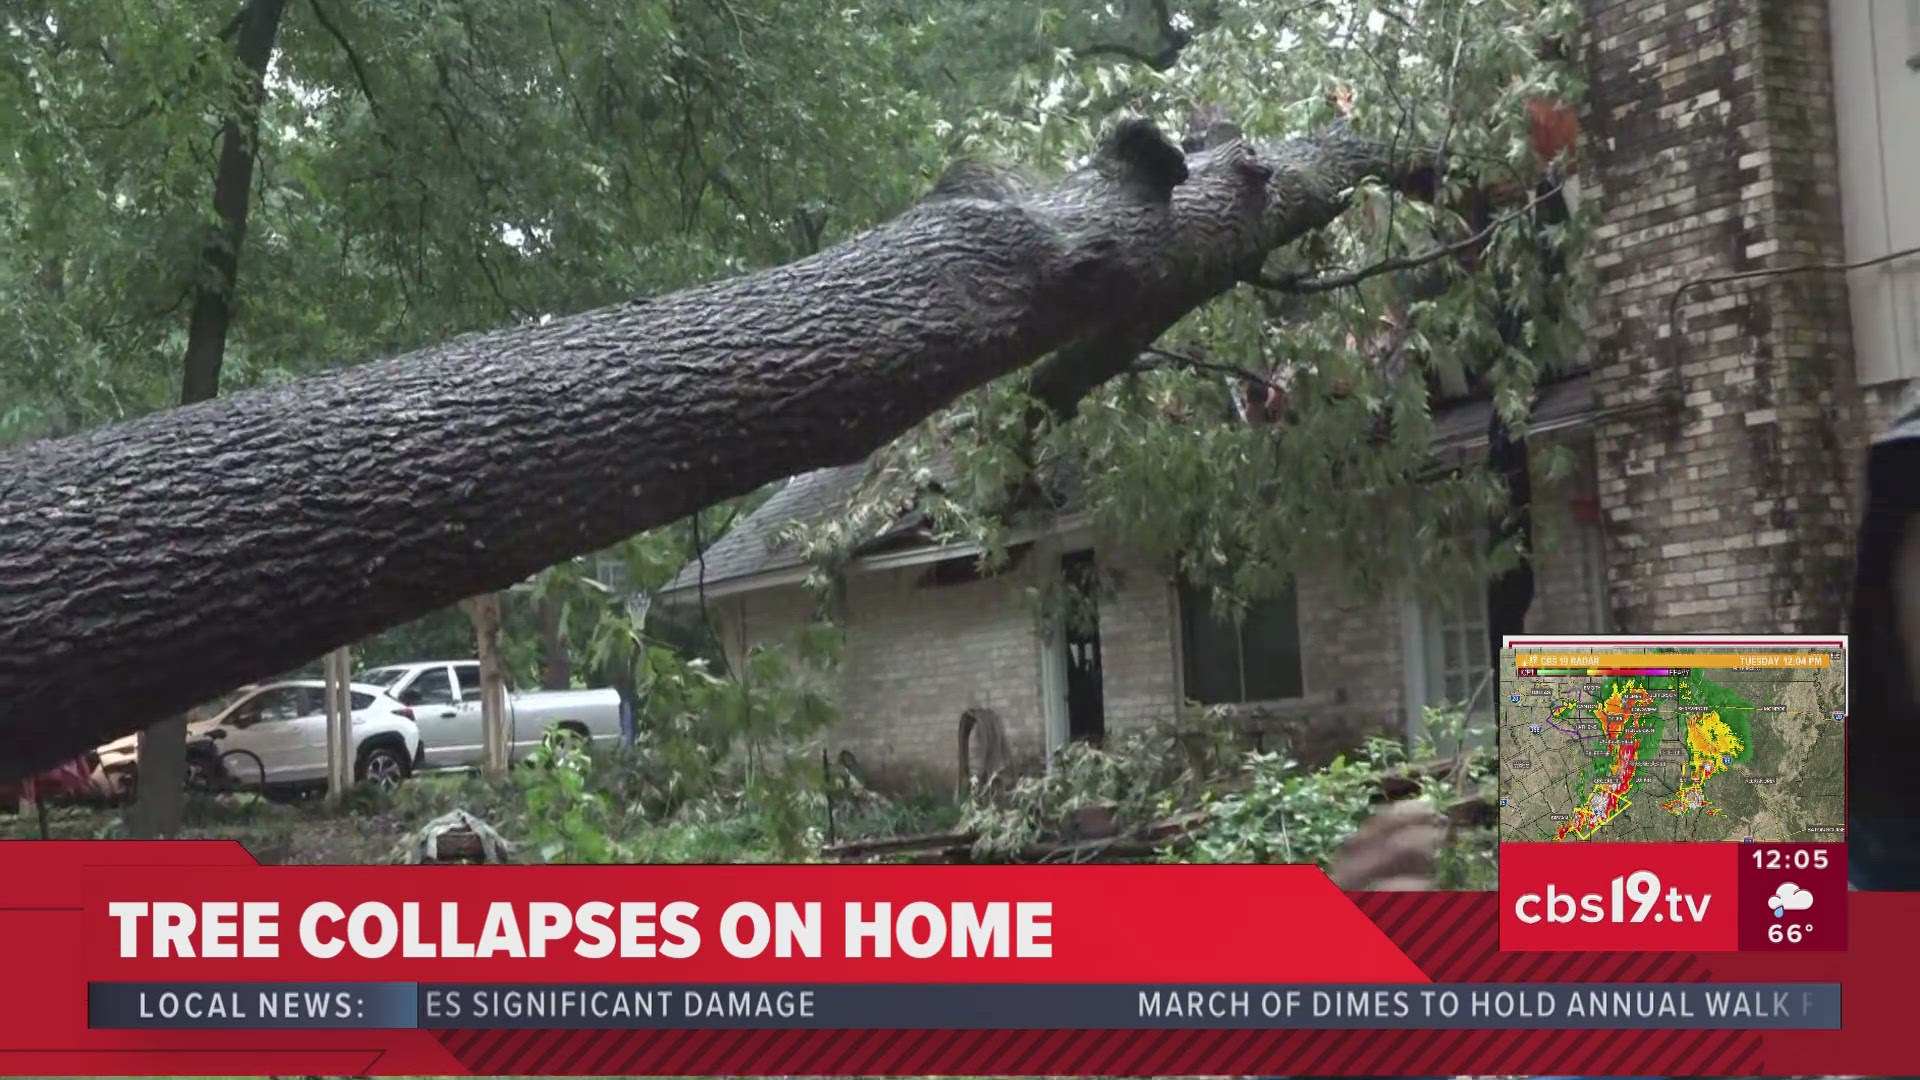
754, 545
1560, 404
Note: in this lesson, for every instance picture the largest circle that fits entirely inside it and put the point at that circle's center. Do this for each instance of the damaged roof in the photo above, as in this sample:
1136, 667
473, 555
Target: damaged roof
755, 546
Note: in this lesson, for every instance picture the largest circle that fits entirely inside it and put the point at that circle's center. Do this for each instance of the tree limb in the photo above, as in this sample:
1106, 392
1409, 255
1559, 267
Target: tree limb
1294, 283
1306, 185
196, 549
1195, 363
359, 67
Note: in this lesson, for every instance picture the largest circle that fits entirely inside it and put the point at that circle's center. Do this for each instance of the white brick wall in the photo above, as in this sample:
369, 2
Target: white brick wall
1753, 473
915, 658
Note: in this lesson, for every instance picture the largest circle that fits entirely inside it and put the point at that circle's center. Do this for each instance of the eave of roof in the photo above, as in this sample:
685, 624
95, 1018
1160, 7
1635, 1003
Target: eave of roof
796, 574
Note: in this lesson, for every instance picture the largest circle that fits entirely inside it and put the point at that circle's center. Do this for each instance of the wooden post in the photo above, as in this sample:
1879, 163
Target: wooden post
497, 740
339, 673
30, 802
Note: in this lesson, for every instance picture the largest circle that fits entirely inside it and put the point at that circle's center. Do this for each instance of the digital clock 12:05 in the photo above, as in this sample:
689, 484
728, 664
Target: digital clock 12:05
1797, 858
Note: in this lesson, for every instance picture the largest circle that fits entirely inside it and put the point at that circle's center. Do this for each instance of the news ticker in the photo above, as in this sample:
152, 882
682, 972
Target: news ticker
445, 1006
188, 957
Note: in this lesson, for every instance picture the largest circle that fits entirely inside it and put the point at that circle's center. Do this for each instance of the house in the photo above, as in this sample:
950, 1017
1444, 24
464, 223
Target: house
929, 638
1717, 481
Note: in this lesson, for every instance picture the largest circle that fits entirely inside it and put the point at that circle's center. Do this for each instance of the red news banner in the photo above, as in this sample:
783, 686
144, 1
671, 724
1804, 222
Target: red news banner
1600, 959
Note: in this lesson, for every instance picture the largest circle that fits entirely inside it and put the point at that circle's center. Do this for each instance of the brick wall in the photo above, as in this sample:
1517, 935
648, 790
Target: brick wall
1139, 653
1712, 151
916, 657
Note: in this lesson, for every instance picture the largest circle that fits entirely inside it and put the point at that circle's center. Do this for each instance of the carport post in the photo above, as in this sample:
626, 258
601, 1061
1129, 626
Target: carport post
339, 724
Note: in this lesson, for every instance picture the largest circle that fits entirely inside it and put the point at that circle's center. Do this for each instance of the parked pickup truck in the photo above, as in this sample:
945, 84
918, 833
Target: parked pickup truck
445, 698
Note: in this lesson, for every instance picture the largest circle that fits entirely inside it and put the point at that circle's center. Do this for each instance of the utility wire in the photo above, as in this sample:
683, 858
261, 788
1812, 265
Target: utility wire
1673, 303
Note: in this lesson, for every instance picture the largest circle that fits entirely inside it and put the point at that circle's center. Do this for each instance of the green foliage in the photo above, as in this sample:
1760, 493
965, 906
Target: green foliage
1285, 814
424, 170
567, 817
1350, 483
1143, 774
715, 757
1288, 815
1254, 807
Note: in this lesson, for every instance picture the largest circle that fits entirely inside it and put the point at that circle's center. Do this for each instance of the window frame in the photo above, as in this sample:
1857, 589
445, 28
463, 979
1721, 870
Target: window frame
1436, 624
466, 681
445, 671
1183, 594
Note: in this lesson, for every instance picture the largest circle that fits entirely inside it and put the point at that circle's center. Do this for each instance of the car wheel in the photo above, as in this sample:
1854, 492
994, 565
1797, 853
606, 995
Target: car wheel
382, 767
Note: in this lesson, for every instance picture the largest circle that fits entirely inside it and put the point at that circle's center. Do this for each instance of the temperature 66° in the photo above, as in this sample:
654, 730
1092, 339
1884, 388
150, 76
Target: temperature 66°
1791, 933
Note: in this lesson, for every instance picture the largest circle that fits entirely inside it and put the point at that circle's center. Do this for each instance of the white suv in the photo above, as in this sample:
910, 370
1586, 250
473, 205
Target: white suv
275, 734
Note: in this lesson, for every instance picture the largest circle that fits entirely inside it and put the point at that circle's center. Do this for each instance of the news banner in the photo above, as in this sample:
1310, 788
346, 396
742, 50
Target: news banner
1672, 900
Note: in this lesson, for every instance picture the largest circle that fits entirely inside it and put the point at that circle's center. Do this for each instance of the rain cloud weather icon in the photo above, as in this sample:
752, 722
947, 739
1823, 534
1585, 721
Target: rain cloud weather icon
1789, 897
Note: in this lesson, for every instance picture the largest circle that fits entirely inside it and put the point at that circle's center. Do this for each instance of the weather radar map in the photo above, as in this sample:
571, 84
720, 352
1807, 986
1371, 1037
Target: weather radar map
1673, 739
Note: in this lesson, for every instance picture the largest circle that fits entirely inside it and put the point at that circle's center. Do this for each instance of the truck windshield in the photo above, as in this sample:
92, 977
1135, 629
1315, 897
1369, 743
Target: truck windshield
383, 677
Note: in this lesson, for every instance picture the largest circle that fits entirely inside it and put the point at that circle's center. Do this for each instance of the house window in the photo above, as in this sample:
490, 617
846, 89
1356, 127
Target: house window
1229, 663
1458, 662
1876, 95
610, 569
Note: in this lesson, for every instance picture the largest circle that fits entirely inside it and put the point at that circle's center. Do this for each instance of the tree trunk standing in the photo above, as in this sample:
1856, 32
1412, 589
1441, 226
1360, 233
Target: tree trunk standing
29, 803
556, 663
495, 732
161, 757
1509, 593
236, 538
339, 667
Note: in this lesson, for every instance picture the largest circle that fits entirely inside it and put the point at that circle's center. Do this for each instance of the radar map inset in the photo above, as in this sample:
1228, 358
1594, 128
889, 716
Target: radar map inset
1611, 739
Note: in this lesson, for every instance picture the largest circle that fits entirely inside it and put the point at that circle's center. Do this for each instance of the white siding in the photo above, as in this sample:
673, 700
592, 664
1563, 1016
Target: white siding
1877, 95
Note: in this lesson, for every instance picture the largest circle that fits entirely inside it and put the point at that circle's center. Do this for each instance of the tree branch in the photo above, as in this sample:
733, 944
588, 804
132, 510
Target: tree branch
202, 547
1195, 363
1304, 185
1294, 283
359, 68
1172, 40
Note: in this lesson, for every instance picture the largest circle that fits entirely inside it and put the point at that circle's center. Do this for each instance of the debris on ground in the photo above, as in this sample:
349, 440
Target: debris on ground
454, 837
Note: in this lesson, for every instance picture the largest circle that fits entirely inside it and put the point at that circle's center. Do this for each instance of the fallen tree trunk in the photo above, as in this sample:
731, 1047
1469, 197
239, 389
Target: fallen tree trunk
148, 566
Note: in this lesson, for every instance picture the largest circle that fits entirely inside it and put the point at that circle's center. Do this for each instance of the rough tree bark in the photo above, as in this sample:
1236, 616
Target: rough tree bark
191, 550
161, 756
